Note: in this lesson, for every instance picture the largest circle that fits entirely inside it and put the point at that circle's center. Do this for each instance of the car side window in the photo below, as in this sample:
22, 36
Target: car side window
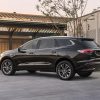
63, 42
46, 43
30, 44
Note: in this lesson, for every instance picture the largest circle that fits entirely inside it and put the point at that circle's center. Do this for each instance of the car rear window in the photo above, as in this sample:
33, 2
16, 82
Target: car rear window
90, 44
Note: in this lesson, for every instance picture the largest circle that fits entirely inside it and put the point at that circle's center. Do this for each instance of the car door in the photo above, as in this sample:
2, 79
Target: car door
46, 53
26, 55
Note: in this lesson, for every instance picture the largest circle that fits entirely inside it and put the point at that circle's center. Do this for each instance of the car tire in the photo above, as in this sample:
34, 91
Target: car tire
7, 67
65, 70
84, 74
31, 71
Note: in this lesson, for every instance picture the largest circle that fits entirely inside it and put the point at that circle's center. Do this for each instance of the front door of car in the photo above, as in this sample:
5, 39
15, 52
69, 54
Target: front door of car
26, 53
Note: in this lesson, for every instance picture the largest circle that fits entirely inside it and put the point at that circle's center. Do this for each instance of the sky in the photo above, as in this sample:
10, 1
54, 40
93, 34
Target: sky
29, 6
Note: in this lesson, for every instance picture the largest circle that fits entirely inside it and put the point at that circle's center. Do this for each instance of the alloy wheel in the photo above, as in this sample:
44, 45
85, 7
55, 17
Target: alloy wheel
7, 67
65, 70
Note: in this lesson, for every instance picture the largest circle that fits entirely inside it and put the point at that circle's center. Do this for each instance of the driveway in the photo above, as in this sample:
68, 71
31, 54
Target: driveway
46, 86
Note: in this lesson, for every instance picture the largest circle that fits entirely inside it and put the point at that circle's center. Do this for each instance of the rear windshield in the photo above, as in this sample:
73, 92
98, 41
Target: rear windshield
90, 44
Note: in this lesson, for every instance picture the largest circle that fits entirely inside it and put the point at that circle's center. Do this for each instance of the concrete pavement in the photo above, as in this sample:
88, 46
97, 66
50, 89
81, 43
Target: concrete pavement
46, 86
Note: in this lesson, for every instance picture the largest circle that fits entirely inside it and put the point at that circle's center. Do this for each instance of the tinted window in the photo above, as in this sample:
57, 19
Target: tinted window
30, 44
63, 42
90, 44
46, 43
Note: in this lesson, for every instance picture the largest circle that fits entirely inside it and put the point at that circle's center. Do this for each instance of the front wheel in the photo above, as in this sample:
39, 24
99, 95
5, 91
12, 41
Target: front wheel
65, 70
84, 74
7, 67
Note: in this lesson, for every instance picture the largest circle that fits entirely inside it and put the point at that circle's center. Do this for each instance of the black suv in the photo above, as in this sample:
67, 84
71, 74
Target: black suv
63, 55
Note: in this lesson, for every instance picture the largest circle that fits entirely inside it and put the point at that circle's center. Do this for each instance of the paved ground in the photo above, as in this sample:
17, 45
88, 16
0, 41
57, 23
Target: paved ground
46, 86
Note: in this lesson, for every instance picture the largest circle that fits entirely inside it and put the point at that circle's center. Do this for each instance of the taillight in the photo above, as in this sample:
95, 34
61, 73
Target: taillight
86, 51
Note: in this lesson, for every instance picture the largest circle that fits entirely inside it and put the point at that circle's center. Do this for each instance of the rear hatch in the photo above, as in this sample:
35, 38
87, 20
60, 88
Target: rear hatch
90, 44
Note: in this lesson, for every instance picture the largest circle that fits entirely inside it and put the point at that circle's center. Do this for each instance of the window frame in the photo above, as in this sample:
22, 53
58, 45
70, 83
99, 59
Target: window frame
39, 42
31, 42
57, 44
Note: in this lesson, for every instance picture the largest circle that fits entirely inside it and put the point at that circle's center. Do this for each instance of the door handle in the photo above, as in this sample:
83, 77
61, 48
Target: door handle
31, 53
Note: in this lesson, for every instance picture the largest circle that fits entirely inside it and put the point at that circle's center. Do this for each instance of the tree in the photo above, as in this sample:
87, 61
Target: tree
73, 10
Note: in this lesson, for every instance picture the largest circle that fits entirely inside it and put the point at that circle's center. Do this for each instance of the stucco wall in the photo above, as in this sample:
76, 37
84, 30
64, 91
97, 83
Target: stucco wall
91, 26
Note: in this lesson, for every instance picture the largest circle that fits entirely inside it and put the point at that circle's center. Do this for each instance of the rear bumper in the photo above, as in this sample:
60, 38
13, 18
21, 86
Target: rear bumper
88, 65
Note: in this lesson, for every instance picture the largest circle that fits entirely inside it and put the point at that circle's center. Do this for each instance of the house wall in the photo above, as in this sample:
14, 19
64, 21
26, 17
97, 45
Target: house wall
91, 26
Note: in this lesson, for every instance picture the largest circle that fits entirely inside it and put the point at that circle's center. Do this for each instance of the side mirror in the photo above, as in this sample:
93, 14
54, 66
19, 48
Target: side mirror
21, 50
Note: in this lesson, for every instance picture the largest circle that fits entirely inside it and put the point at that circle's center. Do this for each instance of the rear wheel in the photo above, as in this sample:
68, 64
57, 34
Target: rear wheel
84, 74
7, 67
65, 70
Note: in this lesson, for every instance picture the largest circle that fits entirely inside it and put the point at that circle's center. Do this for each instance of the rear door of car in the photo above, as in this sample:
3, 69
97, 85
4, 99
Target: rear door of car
46, 53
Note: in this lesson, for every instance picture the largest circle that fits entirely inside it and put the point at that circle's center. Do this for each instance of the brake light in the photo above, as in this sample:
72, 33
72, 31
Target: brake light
86, 51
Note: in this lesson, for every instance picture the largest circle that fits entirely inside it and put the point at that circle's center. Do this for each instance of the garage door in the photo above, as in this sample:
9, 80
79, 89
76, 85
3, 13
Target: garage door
4, 45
